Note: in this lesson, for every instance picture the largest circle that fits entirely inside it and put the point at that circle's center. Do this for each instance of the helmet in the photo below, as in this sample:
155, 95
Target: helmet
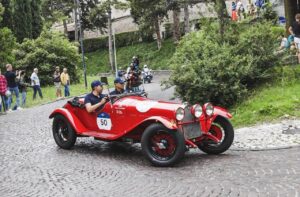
134, 57
145, 66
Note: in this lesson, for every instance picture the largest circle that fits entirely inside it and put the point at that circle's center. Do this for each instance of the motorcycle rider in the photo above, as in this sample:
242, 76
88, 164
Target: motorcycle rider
95, 100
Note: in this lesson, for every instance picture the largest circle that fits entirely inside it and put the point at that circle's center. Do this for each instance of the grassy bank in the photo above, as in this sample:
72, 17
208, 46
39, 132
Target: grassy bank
280, 98
98, 61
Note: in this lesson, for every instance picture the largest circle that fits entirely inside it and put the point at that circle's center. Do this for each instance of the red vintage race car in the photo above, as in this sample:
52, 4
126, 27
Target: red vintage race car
165, 129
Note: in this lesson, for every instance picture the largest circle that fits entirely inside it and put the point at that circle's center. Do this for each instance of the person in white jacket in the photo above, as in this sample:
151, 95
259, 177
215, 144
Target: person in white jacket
35, 82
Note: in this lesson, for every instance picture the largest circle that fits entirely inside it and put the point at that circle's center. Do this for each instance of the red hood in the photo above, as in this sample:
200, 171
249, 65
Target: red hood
148, 107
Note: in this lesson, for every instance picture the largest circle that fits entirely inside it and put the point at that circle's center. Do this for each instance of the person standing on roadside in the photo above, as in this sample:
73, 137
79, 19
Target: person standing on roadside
57, 82
295, 31
3, 89
65, 81
12, 87
23, 86
35, 82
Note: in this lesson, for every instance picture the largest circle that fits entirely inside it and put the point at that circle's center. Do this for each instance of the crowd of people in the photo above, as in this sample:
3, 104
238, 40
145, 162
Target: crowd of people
253, 9
13, 86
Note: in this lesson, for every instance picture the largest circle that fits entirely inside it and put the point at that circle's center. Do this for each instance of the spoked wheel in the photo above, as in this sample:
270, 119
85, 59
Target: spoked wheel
223, 131
63, 133
162, 146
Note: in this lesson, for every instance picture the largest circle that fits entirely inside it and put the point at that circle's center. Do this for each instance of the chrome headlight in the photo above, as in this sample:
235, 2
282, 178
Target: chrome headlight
197, 110
209, 109
179, 114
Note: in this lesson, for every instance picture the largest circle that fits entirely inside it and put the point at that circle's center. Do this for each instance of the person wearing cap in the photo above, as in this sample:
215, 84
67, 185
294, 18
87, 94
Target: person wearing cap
119, 87
95, 99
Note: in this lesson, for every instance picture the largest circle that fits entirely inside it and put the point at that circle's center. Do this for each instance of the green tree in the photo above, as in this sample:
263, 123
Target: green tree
37, 24
22, 20
7, 15
57, 10
7, 44
149, 14
49, 50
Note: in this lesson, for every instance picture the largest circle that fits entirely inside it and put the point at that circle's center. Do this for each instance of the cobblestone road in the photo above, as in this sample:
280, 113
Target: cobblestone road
32, 165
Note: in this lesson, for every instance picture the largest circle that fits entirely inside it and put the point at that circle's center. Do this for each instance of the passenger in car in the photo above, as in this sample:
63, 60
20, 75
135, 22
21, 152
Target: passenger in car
119, 87
95, 100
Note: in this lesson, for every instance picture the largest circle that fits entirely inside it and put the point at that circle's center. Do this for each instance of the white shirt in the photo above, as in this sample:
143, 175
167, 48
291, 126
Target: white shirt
239, 5
35, 78
283, 42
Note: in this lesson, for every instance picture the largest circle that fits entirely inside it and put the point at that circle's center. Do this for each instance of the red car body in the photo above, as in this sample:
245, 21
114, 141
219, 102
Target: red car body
129, 116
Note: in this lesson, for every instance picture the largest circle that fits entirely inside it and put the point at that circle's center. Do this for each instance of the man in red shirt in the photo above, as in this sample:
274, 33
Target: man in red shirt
3, 88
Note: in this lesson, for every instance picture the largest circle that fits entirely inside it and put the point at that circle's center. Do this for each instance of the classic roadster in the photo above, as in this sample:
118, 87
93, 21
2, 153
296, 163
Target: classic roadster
165, 130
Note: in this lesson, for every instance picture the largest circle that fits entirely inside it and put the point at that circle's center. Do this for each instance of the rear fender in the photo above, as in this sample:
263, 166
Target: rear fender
73, 120
170, 124
206, 121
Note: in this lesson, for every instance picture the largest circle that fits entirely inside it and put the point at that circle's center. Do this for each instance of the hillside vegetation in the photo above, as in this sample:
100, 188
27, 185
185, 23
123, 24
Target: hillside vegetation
98, 62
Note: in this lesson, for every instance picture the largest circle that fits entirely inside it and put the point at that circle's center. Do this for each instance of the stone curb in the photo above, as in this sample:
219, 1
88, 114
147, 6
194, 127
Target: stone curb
265, 149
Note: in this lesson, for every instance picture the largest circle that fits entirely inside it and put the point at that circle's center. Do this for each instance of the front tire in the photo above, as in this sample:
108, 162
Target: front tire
223, 130
63, 133
162, 146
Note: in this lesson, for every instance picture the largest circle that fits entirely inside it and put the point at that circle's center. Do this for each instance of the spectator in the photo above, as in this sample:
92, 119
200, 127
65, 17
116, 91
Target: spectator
283, 42
3, 89
35, 82
23, 86
12, 87
259, 5
239, 9
65, 81
295, 31
57, 82
233, 11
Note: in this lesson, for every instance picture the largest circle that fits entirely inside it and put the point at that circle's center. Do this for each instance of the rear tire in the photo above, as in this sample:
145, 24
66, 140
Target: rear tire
162, 146
227, 135
63, 133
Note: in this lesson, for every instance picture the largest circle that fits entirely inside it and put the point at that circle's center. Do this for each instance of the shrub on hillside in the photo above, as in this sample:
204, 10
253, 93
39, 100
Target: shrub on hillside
222, 70
49, 50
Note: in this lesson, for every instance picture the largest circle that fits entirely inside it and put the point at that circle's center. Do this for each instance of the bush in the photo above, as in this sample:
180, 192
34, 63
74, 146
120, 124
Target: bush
49, 50
222, 70
122, 40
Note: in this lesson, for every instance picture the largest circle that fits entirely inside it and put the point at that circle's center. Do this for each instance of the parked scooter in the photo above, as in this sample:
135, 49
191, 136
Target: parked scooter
147, 75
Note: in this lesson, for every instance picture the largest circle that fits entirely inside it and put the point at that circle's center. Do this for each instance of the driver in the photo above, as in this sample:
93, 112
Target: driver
119, 87
95, 99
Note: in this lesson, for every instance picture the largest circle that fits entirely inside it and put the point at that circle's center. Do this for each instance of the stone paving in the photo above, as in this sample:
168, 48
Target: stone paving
32, 165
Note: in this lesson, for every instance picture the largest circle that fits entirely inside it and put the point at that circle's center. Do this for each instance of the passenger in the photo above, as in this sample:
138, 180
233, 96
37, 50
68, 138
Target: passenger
95, 100
119, 87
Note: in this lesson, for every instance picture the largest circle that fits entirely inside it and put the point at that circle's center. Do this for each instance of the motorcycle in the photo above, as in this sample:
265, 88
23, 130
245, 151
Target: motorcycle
147, 75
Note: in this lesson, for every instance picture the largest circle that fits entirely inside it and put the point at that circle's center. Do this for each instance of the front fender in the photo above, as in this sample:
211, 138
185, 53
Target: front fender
206, 122
170, 124
73, 120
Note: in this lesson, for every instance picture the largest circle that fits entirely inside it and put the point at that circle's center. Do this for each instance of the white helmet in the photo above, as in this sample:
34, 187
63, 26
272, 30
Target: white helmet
145, 66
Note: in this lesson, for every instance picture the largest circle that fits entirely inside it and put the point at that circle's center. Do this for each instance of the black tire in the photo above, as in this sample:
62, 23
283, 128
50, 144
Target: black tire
172, 140
63, 133
228, 136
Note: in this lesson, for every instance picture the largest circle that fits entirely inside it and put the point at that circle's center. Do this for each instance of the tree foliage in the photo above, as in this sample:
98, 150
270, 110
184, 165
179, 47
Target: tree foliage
37, 23
209, 67
148, 14
49, 50
7, 14
7, 44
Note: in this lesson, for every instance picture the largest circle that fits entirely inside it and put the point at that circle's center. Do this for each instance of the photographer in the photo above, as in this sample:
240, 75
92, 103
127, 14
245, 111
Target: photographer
22, 86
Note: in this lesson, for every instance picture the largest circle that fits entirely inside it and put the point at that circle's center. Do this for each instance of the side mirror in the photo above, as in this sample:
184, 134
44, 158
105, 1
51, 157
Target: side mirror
104, 80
